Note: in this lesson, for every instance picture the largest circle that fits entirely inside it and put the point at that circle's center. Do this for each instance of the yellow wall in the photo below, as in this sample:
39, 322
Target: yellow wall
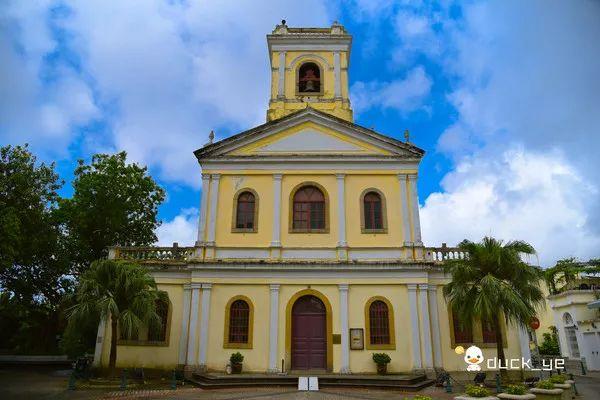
256, 358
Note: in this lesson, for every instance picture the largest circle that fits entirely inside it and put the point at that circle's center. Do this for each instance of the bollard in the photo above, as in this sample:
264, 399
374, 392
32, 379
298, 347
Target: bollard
571, 377
174, 380
72, 381
124, 379
498, 385
448, 384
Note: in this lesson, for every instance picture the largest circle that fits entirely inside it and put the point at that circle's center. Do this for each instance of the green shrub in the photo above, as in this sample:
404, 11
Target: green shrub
516, 389
421, 397
545, 384
549, 346
236, 358
558, 378
477, 391
381, 358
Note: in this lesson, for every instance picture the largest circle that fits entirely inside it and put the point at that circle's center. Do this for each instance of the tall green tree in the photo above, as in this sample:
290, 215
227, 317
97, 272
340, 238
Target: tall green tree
114, 203
493, 283
122, 293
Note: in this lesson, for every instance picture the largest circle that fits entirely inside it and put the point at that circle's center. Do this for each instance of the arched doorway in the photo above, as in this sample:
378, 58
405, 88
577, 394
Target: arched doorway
309, 333
571, 335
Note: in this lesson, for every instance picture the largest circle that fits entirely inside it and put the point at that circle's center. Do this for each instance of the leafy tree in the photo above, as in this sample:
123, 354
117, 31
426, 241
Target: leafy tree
549, 344
114, 203
492, 283
124, 293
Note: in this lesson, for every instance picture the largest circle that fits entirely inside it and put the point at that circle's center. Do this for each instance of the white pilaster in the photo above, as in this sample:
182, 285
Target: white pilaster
276, 236
404, 206
203, 208
212, 222
192, 338
337, 83
273, 331
416, 221
435, 326
204, 321
524, 343
425, 326
345, 332
281, 81
99, 342
185, 323
414, 326
341, 186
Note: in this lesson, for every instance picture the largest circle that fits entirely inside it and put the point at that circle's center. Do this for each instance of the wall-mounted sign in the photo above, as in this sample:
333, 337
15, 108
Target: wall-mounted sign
357, 339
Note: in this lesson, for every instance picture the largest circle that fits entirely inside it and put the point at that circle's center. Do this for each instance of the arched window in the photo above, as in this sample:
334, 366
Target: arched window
462, 330
373, 212
309, 210
309, 79
245, 211
157, 332
239, 314
379, 324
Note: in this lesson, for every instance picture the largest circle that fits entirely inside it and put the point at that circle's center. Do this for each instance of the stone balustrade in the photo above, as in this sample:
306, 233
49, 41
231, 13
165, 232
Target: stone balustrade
444, 253
152, 253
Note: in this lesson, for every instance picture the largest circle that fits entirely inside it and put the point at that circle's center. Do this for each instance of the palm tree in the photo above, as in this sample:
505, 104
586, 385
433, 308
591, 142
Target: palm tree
122, 291
493, 283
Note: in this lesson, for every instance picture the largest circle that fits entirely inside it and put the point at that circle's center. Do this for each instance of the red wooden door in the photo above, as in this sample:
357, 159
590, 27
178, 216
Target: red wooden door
309, 341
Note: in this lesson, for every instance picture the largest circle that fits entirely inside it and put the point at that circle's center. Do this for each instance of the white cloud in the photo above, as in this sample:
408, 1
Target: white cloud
514, 194
405, 95
181, 229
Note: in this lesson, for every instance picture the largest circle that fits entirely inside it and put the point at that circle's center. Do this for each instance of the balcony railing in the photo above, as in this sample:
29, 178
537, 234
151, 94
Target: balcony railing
152, 253
444, 253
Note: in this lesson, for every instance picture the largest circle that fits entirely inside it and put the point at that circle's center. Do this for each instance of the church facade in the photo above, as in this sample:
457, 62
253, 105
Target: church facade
309, 253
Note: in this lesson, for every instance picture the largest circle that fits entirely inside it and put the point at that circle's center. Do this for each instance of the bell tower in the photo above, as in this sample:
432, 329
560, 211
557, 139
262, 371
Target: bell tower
309, 67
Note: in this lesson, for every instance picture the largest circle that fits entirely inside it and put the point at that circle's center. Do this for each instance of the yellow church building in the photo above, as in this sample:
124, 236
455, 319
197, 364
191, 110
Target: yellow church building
309, 253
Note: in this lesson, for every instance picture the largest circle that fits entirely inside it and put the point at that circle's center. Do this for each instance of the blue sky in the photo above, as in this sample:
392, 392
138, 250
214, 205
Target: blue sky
503, 95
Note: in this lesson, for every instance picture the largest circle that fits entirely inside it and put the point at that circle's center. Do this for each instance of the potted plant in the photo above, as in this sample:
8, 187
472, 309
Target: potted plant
516, 392
382, 360
561, 382
545, 390
236, 360
476, 392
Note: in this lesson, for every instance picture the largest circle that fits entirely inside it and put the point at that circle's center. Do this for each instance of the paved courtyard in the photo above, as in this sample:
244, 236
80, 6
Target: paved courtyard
47, 383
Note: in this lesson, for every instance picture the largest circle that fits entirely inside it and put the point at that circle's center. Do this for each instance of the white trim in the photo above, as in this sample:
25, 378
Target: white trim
341, 210
204, 321
242, 253
276, 235
406, 237
310, 163
309, 47
345, 331
309, 254
192, 339
185, 324
337, 83
425, 326
203, 208
99, 343
375, 254
435, 326
273, 327
281, 80
524, 343
310, 56
416, 221
214, 198
414, 325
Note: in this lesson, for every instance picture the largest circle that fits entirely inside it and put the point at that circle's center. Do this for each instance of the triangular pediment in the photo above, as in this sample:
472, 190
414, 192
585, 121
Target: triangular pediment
307, 133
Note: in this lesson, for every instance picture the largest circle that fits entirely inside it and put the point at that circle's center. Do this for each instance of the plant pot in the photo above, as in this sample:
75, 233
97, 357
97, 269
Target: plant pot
465, 397
236, 368
567, 389
381, 369
547, 394
508, 396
